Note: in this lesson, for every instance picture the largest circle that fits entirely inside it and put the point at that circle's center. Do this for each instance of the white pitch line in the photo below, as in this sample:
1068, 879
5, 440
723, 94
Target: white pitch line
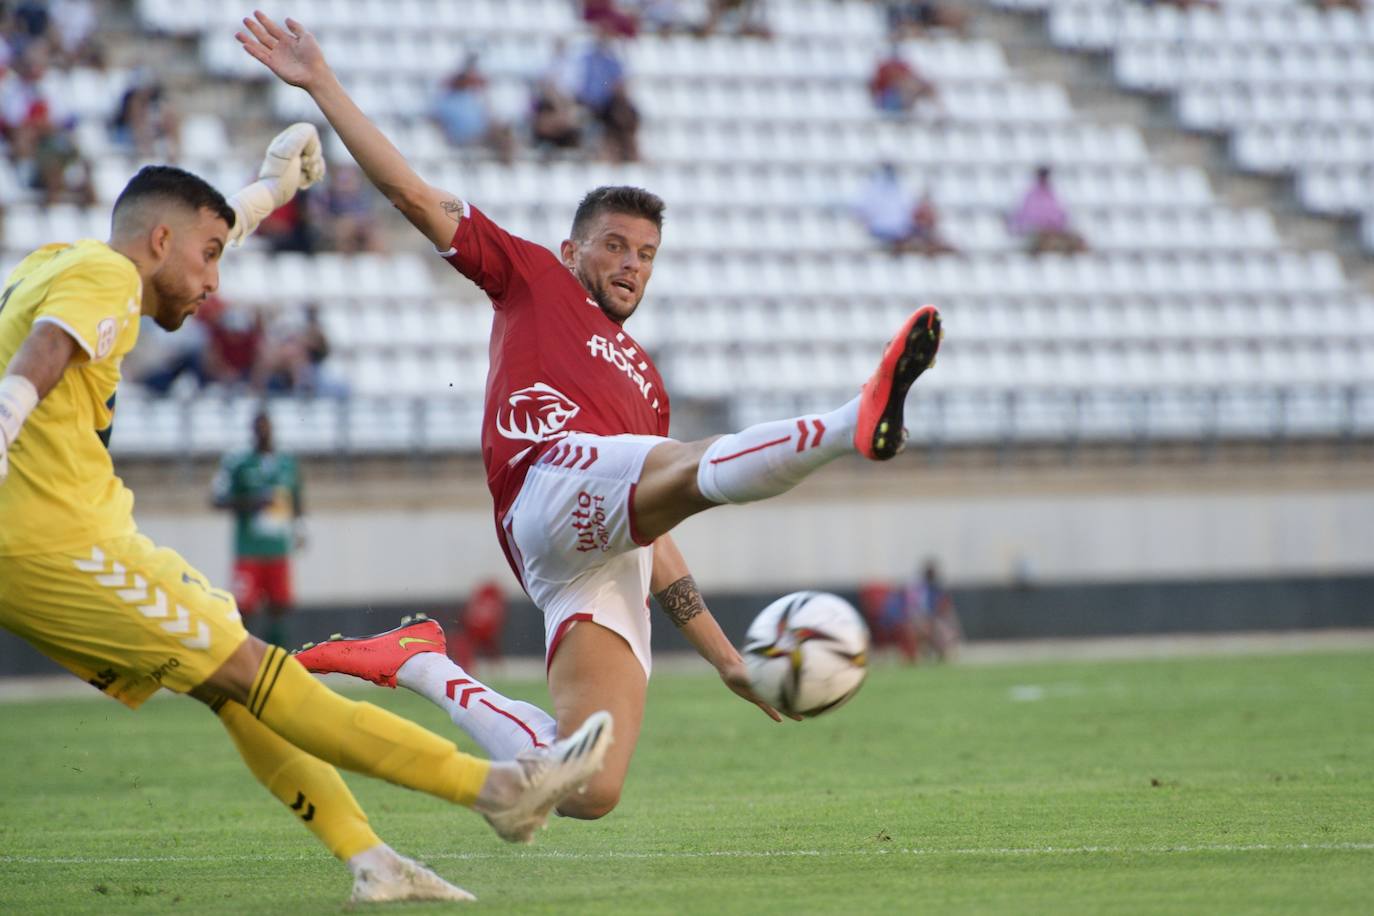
614, 856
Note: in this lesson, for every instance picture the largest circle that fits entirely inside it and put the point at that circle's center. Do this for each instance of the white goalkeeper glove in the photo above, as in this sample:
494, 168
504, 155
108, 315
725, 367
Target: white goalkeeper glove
18, 398
294, 162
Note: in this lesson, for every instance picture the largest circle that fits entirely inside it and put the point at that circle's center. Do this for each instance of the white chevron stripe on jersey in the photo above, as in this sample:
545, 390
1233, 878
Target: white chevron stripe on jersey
181, 625
138, 593
95, 564
201, 640
115, 579
159, 606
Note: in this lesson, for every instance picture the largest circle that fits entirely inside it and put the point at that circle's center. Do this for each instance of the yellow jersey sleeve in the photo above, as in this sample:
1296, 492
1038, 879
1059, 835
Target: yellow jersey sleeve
97, 302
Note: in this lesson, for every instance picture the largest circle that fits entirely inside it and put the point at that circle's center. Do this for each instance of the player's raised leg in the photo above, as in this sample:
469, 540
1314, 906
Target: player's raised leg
680, 479
413, 655
313, 792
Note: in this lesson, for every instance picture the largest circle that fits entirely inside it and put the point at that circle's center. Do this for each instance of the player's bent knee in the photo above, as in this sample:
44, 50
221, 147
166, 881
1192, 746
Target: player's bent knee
590, 805
234, 679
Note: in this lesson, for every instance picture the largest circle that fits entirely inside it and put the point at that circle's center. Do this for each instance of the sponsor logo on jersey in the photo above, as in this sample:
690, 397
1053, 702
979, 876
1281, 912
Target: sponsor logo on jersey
105, 338
626, 359
589, 521
536, 414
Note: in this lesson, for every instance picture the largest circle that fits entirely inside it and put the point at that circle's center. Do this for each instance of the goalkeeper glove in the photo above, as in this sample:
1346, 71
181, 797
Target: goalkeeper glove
18, 398
294, 162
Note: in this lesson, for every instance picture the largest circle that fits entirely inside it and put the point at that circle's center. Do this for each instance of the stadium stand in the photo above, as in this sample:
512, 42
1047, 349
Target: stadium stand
769, 297
1291, 85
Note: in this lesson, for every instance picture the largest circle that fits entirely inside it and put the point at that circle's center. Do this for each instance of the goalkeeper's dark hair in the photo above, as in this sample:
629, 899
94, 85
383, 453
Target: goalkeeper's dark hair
167, 183
625, 199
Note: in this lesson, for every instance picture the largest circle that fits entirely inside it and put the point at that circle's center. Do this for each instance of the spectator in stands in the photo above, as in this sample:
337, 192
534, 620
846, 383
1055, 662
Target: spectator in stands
234, 342
291, 360
463, 113
897, 87
926, 237
610, 17
146, 122
73, 33
931, 608
555, 119
1354, 6
1042, 219
262, 487
345, 211
292, 227
914, 19
39, 132
897, 220
744, 18
162, 357
605, 94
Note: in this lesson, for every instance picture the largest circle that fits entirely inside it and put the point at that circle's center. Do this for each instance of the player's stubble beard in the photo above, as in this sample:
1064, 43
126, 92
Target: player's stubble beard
602, 297
175, 299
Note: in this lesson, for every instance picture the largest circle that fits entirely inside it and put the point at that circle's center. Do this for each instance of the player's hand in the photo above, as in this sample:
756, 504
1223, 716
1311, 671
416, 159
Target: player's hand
736, 677
295, 159
291, 53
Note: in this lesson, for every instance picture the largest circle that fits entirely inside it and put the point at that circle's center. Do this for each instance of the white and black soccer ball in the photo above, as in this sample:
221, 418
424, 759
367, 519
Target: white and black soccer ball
807, 653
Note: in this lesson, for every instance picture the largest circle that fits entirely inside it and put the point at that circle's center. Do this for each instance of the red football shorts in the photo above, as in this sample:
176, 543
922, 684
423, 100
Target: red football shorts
259, 579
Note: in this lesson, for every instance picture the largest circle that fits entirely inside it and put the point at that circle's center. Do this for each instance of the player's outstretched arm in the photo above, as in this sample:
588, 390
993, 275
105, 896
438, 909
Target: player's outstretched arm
35, 370
294, 55
676, 592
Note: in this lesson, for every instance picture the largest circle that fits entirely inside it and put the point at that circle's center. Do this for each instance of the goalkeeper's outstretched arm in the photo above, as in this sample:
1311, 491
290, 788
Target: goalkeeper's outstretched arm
295, 57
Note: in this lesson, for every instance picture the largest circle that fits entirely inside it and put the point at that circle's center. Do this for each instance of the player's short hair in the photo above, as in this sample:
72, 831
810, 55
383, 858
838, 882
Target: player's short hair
617, 199
167, 183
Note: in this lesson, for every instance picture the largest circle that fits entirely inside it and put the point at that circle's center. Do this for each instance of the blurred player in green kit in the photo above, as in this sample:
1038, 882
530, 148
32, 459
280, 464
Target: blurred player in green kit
262, 487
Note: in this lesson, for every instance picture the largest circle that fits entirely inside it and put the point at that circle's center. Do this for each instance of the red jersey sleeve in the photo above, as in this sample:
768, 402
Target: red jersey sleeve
503, 265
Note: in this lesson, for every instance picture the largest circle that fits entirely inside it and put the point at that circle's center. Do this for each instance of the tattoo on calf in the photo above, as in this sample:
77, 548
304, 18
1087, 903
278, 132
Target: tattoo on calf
454, 209
681, 601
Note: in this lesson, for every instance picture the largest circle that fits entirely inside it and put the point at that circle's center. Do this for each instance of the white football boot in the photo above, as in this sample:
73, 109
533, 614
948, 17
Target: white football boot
547, 776
382, 875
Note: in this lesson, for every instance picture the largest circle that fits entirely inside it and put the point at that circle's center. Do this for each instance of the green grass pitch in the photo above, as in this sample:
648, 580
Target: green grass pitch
1205, 785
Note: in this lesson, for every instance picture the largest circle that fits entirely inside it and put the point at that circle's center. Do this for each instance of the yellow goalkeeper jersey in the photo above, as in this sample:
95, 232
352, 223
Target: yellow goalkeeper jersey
62, 492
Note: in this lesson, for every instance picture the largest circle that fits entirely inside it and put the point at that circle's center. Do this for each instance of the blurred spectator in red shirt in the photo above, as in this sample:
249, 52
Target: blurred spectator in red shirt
607, 16
896, 86
1042, 219
39, 132
480, 623
234, 342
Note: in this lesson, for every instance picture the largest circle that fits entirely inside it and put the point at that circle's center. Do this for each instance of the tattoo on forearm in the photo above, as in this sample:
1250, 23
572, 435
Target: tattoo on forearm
454, 209
681, 601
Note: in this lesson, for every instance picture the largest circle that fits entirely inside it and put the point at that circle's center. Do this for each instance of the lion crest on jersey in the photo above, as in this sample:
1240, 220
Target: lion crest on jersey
536, 414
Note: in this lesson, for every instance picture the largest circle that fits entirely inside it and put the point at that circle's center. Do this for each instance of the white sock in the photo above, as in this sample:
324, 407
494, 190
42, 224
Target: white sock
502, 726
771, 458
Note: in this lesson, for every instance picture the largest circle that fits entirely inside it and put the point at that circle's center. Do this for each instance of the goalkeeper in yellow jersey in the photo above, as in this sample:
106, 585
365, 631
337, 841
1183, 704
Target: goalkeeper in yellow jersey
80, 583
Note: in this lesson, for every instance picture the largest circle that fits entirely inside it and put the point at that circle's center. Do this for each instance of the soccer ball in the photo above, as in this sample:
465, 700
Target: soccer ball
807, 653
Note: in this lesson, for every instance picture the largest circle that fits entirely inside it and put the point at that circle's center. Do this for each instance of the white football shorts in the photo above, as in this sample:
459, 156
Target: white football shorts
572, 537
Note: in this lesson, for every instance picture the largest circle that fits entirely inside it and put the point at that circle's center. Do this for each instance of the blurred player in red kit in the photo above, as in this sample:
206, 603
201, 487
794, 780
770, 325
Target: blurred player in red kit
586, 484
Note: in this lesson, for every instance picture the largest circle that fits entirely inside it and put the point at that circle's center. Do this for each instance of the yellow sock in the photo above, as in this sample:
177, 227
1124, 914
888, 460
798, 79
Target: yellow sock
359, 736
311, 788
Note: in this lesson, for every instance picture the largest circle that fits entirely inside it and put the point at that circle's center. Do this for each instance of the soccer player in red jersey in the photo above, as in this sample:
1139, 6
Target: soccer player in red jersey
587, 485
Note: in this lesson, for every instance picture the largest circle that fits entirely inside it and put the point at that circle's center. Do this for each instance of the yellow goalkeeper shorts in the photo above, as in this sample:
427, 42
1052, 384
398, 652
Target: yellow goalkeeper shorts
126, 616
